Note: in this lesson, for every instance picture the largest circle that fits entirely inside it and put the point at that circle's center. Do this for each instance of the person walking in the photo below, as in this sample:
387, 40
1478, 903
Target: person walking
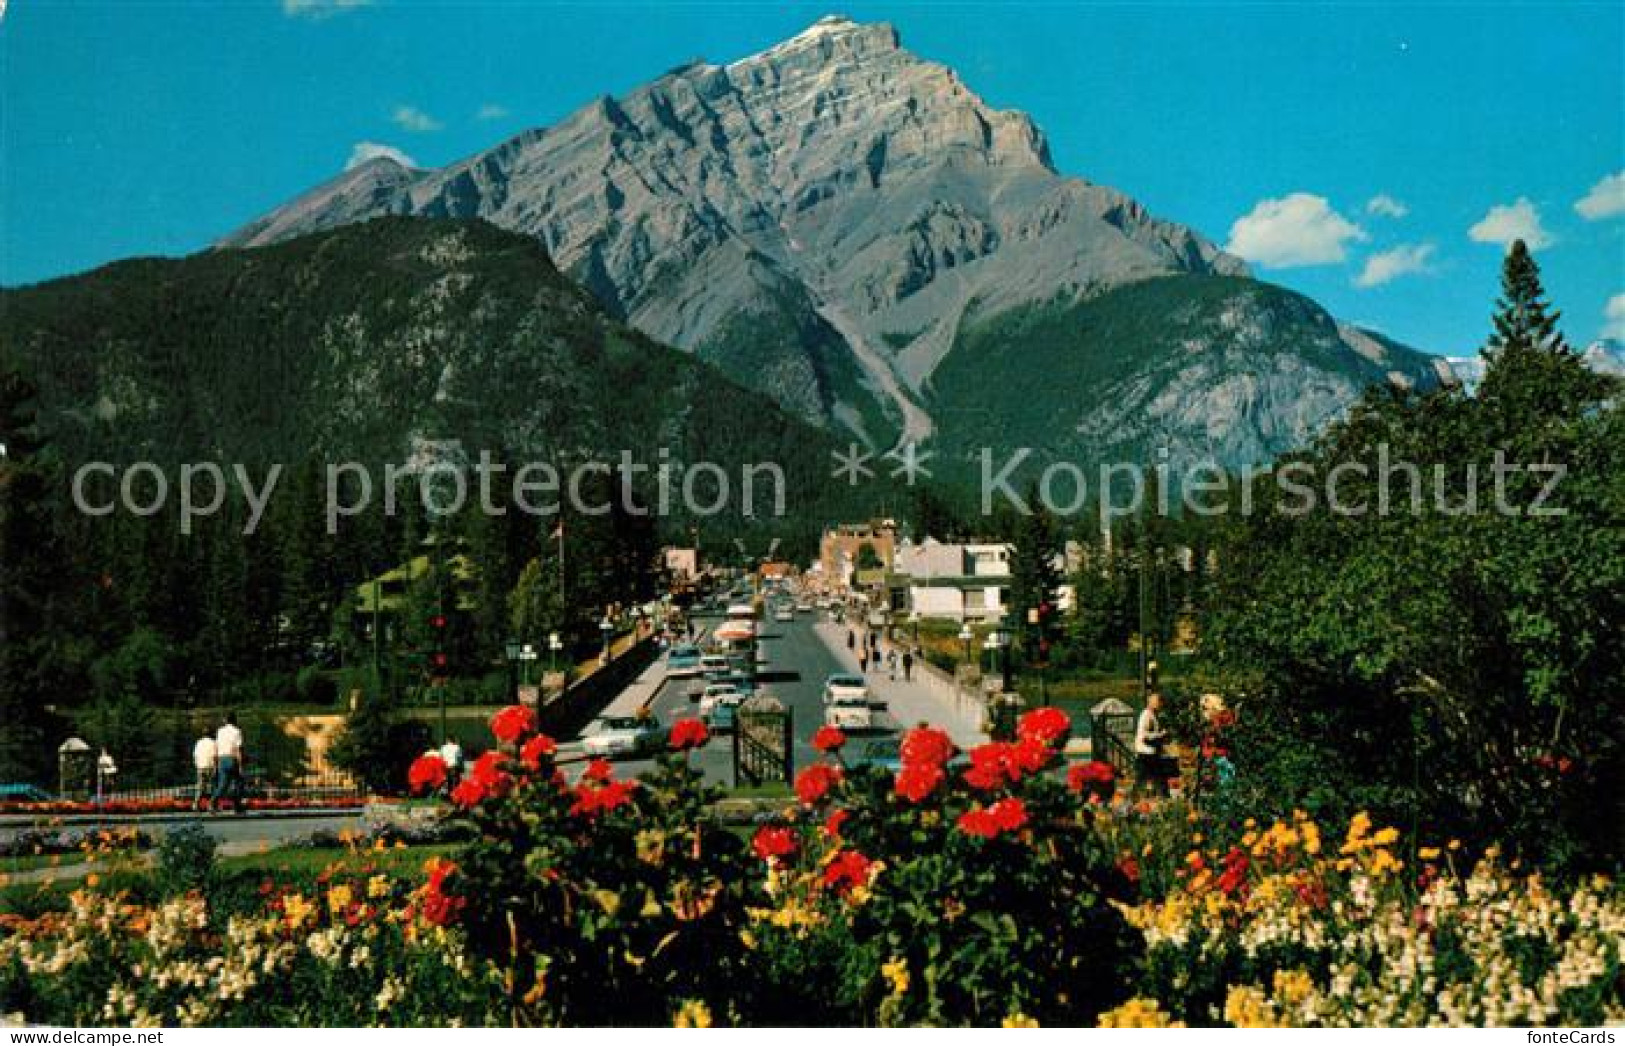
1149, 741
228, 750
203, 759
851, 639
908, 665
863, 661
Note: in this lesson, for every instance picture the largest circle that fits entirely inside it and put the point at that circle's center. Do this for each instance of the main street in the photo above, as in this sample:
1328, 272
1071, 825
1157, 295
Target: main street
800, 655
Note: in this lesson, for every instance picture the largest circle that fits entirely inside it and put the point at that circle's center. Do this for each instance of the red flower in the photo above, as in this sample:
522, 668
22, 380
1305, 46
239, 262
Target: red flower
598, 770
926, 746
773, 843
916, 781
833, 823
813, 783
828, 738
512, 723
849, 869
536, 749
486, 780
439, 906
1083, 776
1006, 815
688, 733
426, 774
592, 800
1130, 867
1234, 876
1044, 725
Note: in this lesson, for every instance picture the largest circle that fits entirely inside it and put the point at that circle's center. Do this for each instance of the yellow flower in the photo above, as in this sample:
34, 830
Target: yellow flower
896, 974
378, 886
339, 898
1386, 837
1138, 1013
692, 1014
1428, 853
1246, 1007
1019, 1020
1293, 986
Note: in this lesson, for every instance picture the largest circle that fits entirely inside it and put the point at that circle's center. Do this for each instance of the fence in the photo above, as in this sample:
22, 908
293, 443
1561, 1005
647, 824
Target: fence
310, 788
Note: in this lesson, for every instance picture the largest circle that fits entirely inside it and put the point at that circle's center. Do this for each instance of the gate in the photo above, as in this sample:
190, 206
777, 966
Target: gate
764, 742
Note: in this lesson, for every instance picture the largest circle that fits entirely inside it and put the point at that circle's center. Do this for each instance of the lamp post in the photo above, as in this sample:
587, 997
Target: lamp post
965, 636
527, 654
511, 649
607, 628
554, 645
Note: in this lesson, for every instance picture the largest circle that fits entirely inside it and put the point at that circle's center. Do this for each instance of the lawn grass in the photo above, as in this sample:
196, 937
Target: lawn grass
307, 861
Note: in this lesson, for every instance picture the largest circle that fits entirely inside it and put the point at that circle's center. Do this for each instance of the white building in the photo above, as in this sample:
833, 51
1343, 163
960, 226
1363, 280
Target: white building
959, 582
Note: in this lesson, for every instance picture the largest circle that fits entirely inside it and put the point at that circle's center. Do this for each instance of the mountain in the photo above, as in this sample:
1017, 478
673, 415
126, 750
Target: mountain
834, 220
397, 340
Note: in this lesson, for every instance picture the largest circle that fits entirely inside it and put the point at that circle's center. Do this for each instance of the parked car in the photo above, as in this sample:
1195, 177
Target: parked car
849, 713
24, 793
615, 737
683, 662
784, 613
712, 693
845, 685
714, 666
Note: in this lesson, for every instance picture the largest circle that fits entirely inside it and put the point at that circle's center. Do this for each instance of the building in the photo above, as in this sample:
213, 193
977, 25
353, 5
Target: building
682, 564
841, 550
959, 582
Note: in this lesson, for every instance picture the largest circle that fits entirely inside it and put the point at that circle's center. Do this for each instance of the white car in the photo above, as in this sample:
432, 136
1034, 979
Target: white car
784, 613
842, 686
615, 737
715, 692
849, 713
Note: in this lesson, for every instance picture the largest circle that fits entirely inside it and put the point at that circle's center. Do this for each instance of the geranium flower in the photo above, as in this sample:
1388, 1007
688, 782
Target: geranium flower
595, 799
1006, 815
1087, 775
688, 733
536, 749
485, 780
916, 781
926, 746
1044, 725
773, 843
848, 871
513, 723
828, 738
598, 770
813, 783
833, 823
426, 774
440, 906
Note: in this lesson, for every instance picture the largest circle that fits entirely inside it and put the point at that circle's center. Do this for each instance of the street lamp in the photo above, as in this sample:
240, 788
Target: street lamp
607, 628
527, 654
965, 636
554, 645
511, 649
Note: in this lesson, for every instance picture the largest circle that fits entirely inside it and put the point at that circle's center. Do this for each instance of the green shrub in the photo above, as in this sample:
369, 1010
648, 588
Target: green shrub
186, 859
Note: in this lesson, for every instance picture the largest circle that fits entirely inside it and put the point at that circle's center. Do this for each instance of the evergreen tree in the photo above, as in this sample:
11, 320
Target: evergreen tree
1035, 579
29, 578
1523, 318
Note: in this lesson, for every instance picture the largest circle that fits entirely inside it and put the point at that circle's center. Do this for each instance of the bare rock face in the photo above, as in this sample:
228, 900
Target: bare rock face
817, 219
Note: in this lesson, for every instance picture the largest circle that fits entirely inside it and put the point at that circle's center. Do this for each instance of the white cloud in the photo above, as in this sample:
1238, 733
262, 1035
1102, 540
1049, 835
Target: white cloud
1407, 259
1299, 229
491, 111
414, 120
365, 151
1606, 199
1385, 206
1505, 222
1614, 312
319, 9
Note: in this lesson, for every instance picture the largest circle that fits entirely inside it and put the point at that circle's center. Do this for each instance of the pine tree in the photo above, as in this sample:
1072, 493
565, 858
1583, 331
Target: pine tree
28, 581
1523, 318
1035, 579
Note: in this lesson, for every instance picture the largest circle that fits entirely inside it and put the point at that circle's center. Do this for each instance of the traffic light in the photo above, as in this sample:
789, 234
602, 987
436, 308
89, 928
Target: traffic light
438, 659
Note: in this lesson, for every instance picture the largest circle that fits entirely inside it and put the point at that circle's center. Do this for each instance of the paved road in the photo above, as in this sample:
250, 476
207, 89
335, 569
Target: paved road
799, 659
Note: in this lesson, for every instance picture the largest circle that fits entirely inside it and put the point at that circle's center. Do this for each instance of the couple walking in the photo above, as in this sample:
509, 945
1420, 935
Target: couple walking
219, 763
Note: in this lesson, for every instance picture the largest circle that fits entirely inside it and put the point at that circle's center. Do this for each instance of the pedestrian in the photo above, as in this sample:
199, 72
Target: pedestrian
203, 759
863, 661
228, 751
908, 665
451, 753
891, 665
851, 639
1149, 741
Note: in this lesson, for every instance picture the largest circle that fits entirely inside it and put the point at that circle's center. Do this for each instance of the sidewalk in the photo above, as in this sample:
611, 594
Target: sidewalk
922, 698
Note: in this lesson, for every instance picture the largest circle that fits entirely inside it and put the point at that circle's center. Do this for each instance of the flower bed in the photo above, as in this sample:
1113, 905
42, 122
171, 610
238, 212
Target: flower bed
985, 891
138, 807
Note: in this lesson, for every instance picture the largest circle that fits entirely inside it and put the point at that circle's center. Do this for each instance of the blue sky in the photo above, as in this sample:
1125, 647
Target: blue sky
151, 128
